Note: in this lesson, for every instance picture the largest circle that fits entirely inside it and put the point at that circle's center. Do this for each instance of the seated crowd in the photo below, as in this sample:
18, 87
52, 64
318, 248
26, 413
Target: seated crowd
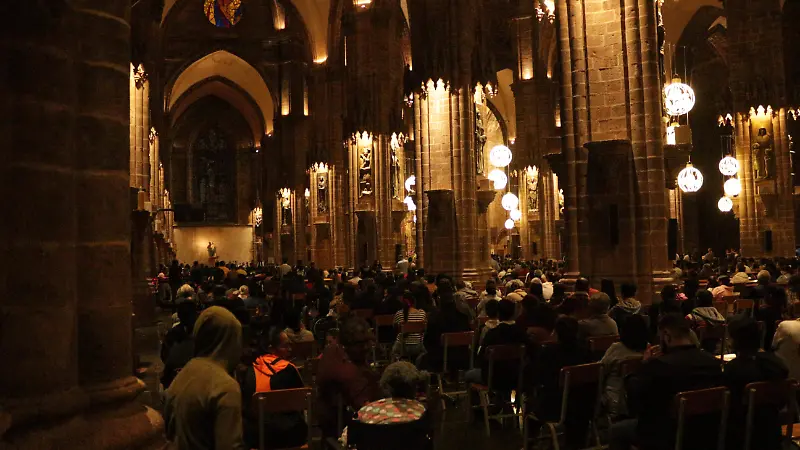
234, 336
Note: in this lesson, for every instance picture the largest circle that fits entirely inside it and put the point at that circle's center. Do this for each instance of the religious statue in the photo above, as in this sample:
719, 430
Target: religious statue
395, 175
322, 197
480, 141
364, 171
212, 250
533, 189
286, 211
763, 155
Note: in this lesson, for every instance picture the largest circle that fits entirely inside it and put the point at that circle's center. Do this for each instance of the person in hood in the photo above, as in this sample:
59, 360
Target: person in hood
752, 365
627, 306
272, 371
704, 316
203, 406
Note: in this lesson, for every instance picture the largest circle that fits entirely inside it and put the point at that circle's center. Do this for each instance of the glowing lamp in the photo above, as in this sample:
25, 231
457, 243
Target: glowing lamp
307, 193
510, 202
729, 166
678, 98
509, 224
515, 214
410, 203
499, 178
732, 187
500, 156
725, 204
690, 179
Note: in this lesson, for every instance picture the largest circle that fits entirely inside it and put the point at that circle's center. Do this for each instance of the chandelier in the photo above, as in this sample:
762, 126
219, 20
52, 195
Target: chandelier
499, 178
515, 214
500, 156
678, 98
725, 204
732, 187
690, 179
509, 224
510, 201
729, 166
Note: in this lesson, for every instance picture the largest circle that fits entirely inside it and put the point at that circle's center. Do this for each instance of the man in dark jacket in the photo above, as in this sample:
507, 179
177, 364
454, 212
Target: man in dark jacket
651, 391
448, 319
751, 366
505, 372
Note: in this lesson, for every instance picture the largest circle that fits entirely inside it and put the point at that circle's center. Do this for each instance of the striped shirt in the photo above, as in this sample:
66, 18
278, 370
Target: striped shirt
413, 316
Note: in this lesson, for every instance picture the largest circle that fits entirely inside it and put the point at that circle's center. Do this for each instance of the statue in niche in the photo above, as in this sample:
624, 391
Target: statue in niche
763, 155
286, 212
480, 141
533, 190
212, 250
365, 167
322, 197
395, 174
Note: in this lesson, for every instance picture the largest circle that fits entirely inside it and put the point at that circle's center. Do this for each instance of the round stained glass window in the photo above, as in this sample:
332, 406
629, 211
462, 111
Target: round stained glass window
223, 13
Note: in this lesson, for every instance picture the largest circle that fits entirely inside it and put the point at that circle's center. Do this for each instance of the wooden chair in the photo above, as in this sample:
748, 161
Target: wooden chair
281, 401
406, 328
571, 377
743, 304
722, 307
494, 354
384, 322
599, 344
770, 394
697, 403
463, 340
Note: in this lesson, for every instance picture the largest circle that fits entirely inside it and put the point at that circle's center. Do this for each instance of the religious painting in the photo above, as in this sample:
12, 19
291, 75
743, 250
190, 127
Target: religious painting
213, 176
322, 193
223, 13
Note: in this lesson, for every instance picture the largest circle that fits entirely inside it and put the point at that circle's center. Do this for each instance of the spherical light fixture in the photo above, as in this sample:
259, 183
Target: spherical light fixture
499, 178
411, 182
732, 187
510, 202
515, 214
500, 156
678, 98
729, 166
690, 179
509, 224
725, 204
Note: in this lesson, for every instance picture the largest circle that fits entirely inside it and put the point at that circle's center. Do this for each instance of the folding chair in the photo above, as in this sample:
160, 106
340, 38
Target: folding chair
281, 401
407, 328
599, 344
571, 377
449, 340
743, 304
384, 322
494, 354
770, 394
701, 402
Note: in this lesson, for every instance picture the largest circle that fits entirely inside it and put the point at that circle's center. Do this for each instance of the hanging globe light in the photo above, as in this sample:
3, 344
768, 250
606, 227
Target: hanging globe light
510, 202
678, 97
729, 166
515, 214
725, 204
500, 156
690, 179
499, 178
509, 224
732, 187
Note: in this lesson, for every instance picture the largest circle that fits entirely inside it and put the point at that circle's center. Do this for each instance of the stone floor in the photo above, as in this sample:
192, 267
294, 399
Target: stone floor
457, 433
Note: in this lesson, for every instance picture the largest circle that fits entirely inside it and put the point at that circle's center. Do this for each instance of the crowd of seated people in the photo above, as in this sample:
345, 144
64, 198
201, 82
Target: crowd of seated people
251, 319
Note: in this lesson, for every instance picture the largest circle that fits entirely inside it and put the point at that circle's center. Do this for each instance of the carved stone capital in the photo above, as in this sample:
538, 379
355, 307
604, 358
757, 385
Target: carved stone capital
485, 198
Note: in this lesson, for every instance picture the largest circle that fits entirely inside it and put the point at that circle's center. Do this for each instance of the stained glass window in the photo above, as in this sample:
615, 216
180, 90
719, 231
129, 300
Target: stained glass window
223, 13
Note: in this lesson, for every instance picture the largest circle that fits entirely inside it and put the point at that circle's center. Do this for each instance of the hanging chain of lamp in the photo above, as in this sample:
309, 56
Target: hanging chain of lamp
679, 99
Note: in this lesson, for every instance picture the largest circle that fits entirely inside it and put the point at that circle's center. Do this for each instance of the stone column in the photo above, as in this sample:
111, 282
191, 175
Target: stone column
70, 347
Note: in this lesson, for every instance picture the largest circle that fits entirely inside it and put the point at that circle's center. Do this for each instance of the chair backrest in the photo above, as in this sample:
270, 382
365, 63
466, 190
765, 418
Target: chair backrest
383, 320
580, 375
730, 299
413, 327
601, 343
280, 401
365, 314
510, 352
304, 350
769, 393
722, 307
743, 304
701, 402
464, 339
